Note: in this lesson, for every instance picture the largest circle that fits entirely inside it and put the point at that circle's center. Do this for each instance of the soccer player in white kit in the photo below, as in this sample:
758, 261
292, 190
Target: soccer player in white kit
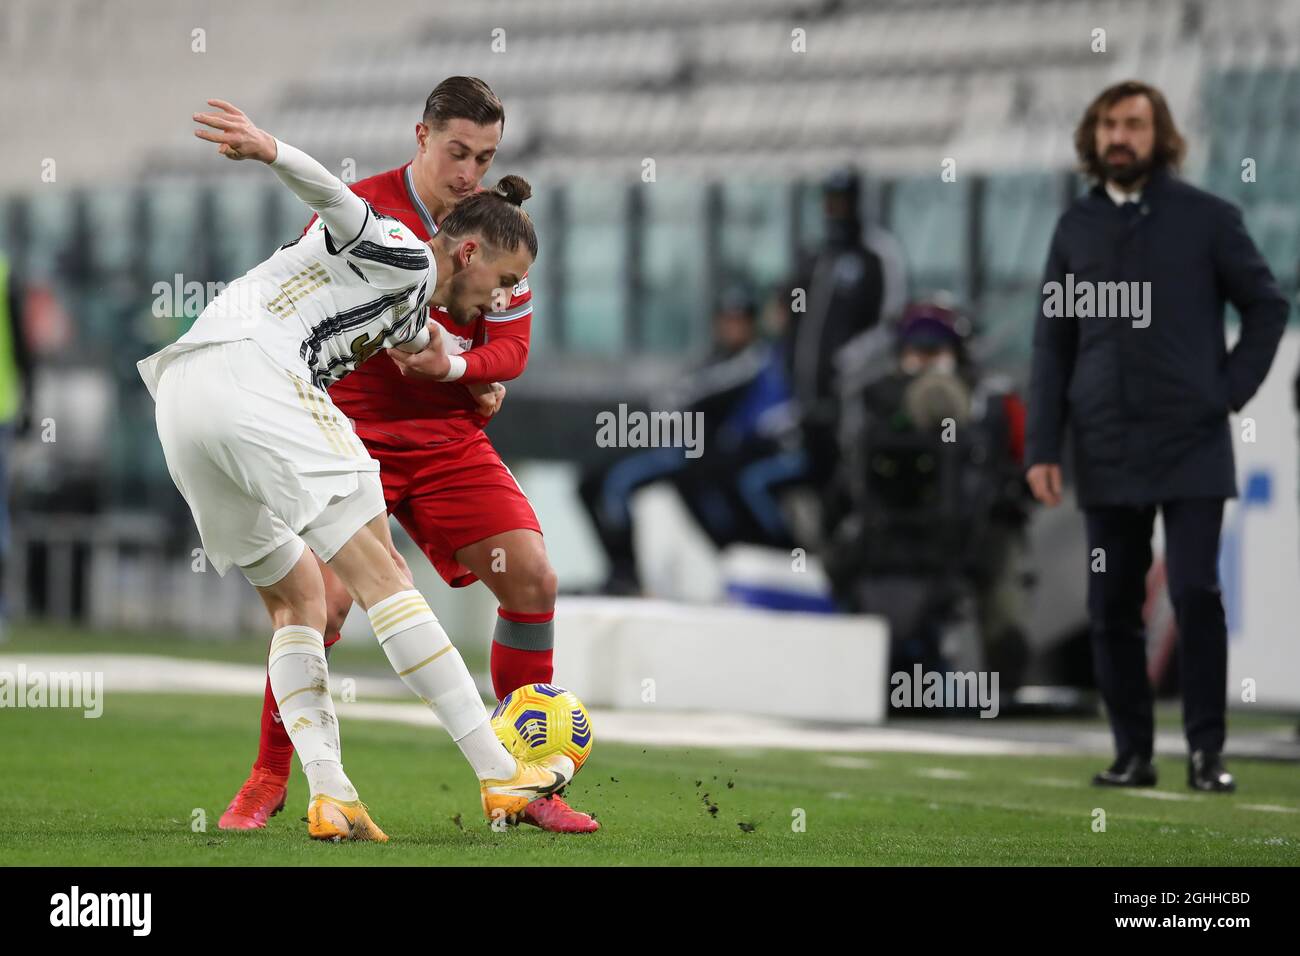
269, 466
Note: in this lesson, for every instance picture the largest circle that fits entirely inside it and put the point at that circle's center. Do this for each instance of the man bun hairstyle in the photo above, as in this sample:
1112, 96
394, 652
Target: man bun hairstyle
496, 214
463, 97
513, 189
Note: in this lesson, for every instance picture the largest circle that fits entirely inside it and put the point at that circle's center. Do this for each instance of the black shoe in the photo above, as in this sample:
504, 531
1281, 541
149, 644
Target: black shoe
1205, 771
1127, 771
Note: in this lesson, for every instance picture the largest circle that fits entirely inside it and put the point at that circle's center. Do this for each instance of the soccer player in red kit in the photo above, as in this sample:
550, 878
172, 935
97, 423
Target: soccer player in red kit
443, 480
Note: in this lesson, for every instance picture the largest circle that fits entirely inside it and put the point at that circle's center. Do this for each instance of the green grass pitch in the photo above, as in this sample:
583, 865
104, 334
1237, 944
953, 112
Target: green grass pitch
122, 790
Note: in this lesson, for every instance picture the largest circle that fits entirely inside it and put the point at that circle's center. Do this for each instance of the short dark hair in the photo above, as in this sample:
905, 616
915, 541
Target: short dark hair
497, 214
1169, 149
463, 97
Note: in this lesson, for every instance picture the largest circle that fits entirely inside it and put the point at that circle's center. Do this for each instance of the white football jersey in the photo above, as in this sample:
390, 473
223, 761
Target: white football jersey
324, 303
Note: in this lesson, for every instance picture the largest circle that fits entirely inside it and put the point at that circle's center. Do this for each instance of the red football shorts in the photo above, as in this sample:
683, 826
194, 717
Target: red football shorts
450, 495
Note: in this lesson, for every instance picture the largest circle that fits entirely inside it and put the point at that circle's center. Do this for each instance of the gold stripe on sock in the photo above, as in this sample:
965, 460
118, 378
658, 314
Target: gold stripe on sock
400, 603
283, 641
300, 690
278, 652
293, 631
389, 614
427, 660
386, 633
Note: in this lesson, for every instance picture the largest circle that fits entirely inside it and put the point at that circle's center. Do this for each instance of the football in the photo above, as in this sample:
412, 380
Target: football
538, 720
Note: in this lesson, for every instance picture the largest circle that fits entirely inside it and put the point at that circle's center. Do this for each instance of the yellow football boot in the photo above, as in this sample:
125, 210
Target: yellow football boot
332, 819
504, 800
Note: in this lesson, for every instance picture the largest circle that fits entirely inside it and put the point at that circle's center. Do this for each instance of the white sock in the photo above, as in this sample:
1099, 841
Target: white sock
301, 685
483, 749
327, 776
423, 656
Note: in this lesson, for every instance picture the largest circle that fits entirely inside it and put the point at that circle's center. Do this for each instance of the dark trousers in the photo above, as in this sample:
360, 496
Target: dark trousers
1115, 599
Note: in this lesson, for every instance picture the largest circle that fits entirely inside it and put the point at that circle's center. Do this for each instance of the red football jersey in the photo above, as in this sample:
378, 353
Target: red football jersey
390, 406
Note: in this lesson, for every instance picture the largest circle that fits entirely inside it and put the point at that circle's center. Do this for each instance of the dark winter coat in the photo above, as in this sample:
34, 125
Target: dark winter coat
1147, 398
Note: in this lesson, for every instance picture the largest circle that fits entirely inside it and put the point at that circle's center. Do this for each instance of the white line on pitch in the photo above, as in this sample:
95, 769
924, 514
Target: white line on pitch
1267, 808
942, 773
1059, 783
848, 762
1160, 795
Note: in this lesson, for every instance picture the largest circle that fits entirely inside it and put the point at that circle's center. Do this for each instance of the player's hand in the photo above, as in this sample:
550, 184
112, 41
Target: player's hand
488, 395
432, 362
236, 136
1045, 482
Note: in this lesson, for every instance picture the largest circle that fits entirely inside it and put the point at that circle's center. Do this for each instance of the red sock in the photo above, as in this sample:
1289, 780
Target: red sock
522, 650
275, 749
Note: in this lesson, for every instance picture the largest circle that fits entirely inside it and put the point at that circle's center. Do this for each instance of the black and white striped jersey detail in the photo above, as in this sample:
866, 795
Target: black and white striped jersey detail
416, 260
334, 250
331, 331
341, 365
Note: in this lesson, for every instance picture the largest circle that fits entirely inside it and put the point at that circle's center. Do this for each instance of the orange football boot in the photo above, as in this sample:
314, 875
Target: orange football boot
507, 799
332, 819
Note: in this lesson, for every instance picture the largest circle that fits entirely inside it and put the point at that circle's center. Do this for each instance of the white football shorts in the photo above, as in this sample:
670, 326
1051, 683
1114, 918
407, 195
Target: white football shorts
264, 459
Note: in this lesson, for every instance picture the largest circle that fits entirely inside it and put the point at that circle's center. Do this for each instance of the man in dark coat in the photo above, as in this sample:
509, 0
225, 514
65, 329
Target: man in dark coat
1129, 350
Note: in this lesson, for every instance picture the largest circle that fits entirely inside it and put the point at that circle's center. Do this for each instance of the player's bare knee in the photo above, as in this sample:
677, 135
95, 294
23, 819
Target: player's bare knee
548, 585
531, 588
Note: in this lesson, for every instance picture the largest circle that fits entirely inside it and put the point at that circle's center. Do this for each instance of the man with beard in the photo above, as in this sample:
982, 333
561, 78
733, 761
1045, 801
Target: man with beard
1147, 394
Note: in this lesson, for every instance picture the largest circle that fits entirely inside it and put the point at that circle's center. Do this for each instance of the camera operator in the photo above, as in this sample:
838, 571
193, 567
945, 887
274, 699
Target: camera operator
925, 520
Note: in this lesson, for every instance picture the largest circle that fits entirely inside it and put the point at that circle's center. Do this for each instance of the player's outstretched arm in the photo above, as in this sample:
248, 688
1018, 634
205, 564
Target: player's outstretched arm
344, 213
235, 135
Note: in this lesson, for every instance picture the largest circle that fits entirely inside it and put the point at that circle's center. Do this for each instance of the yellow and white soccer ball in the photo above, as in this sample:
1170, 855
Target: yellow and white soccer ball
538, 720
